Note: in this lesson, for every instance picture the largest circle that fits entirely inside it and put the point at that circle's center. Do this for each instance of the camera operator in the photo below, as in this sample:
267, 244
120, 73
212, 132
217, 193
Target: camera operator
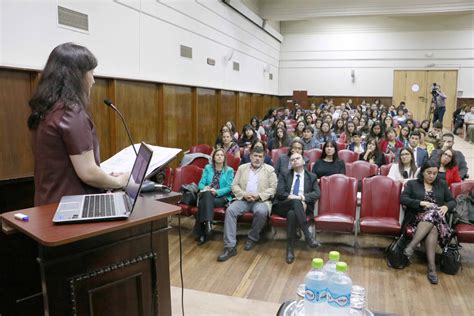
438, 102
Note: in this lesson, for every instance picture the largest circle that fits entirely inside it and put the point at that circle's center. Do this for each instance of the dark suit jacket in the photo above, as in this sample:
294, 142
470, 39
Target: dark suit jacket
421, 156
414, 193
311, 188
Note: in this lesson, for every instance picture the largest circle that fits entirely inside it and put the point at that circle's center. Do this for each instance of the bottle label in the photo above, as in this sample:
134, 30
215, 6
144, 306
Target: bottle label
315, 296
338, 300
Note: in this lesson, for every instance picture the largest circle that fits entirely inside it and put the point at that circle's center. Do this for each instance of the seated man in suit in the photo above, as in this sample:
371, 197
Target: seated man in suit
447, 143
297, 191
254, 186
421, 155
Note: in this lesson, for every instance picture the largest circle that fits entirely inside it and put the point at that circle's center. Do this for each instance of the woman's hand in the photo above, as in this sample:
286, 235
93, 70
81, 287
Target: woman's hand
213, 191
425, 204
443, 210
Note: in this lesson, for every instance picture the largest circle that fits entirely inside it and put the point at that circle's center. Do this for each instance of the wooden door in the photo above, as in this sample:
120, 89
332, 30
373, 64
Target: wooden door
414, 87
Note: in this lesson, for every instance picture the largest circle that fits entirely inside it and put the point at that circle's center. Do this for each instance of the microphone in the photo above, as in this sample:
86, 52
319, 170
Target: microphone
111, 105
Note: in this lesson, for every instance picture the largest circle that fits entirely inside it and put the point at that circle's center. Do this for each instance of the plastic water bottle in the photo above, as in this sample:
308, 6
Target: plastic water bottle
339, 291
330, 266
359, 302
316, 283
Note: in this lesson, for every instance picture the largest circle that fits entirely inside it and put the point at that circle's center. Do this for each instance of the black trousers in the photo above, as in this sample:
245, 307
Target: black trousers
207, 203
293, 210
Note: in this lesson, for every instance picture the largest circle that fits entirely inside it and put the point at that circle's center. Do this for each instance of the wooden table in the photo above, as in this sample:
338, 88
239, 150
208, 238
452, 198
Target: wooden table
102, 268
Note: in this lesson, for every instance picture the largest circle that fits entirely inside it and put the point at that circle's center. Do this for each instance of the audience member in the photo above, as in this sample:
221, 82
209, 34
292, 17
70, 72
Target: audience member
405, 168
357, 145
248, 136
254, 186
469, 122
435, 135
421, 155
425, 125
404, 135
448, 170
347, 135
281, 139
325, 134
214, 191
283, 163
390, 144
255, 123
308, 139
299, 129
233, 129
423, 144
296, 193
258, 143
229, 146
448, 142
376, 131
372, 153
427, 201
329, 163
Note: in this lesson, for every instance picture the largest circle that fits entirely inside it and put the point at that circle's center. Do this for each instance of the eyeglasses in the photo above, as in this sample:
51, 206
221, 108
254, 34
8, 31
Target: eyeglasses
295, 159
405, 154
447, 155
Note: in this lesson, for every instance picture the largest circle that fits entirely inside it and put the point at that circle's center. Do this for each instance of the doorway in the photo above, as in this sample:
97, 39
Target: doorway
414, 87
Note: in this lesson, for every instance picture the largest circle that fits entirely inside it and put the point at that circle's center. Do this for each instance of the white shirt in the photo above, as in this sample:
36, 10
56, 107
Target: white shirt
252, 183
301, 188
394, 173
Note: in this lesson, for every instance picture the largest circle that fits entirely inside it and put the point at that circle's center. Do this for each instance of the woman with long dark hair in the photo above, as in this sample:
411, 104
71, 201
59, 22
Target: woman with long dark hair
372, 153
65, 145
427, 200
329, 163
405, 168
281, 139
214, 191
448, 167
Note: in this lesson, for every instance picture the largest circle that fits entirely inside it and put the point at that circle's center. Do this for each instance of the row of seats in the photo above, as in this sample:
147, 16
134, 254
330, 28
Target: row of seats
377, 215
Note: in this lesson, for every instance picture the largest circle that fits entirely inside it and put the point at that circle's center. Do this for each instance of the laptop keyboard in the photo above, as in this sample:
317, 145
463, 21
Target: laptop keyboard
98, 206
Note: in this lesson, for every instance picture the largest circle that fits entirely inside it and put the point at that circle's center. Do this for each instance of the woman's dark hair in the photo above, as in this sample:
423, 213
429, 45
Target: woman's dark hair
453, 163
377, 151
427, 129
224, 165
390, 130
428, 164
339, 130
410, 120
254, 118
372, 134
333, 144
280, 142
62, 80
255, 142
401, 167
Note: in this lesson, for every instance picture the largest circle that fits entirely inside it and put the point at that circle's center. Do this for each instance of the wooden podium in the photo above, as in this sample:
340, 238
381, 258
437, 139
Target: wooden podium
102, 268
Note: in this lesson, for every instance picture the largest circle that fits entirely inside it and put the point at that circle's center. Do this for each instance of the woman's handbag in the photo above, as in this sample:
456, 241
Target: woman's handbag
394, 253
189, 192
451, 259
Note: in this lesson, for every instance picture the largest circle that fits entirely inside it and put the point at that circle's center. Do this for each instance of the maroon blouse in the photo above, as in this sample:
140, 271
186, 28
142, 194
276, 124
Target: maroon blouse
62, 133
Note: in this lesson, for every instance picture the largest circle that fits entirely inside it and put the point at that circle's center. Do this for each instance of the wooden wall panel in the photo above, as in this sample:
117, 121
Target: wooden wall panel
228, 108
16, 156
257, 105
245, 110
101, 116
206, 115
177, 116
138, 103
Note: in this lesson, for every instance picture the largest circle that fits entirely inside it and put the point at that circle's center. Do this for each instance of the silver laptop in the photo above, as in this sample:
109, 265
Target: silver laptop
106, 206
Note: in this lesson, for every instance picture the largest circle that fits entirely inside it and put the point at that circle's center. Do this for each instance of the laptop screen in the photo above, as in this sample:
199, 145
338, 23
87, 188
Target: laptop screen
138, 173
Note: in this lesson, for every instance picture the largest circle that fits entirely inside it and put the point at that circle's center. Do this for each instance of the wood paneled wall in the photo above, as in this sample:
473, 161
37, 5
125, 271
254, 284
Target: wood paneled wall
156, 113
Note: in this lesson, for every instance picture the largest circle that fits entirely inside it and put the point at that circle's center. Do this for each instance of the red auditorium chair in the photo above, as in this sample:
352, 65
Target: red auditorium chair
464, 232
277, 152
264, 138
380, 207
341, 146
200, 162
385, 169
337, 204
201, 148
313, 154
233, 162
186, 175
361, 169
389, 158
347, 155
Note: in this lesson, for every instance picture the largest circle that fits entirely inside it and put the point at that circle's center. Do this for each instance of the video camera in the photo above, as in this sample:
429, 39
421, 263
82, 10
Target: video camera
434, 89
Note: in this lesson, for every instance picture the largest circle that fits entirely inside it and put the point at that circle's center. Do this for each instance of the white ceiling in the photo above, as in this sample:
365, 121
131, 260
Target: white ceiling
293, 10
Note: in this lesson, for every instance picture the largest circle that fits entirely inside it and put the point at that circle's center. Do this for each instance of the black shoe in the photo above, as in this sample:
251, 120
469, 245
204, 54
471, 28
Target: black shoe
249, 244
207, 228
228, 252
408, 252
432, 276
312, 243
290, 256
202, 240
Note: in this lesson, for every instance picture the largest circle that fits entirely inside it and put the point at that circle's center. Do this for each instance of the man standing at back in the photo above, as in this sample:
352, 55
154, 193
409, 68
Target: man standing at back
254, 186
447, 143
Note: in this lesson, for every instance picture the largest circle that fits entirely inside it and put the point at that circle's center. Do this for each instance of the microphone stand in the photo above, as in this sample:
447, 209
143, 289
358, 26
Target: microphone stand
110, 104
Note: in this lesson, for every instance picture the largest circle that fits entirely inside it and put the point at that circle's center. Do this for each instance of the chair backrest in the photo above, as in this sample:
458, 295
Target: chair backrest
233, 162
200, 162
313, 154
277, 152
385, 169
341, 146
338, 195
185, 175
264, 138
462, 187
380, 197
347, 155
201, 148
361, 169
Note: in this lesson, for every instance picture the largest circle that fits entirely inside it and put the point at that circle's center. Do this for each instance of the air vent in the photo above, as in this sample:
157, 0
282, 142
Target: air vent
236, 66
73, 19
270, 76
186, 52
211, 62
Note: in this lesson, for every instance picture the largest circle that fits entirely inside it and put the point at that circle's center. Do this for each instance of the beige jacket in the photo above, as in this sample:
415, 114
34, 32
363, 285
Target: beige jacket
267, 183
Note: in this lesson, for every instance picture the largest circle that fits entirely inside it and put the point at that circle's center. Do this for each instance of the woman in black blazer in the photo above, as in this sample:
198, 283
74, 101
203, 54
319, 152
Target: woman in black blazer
427, 200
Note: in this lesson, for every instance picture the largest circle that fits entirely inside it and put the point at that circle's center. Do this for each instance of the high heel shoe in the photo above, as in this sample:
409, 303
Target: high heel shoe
408, 252
432, 276
207, 228
202, 240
